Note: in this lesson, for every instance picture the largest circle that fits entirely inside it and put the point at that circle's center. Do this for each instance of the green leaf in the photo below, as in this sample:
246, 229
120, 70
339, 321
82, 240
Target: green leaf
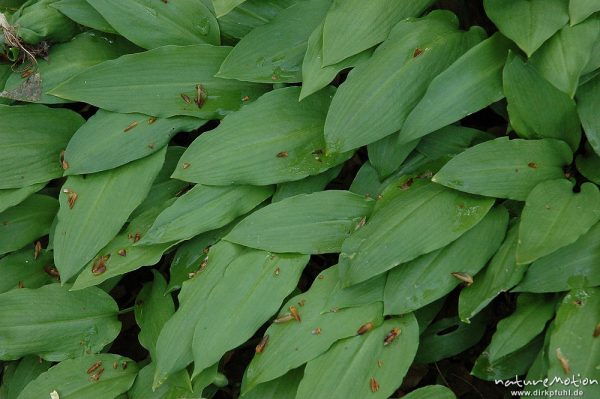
418, 220
348, 369
308, 185
500, 275
81, 322
14, 196
536, 108
181, 22
431, 392
365, 109
579, 10
294, 343
108, 140
102, 205
174, 345
360, 294
154, 81
38, 21
84, 14
244, 304
575, 341
153, 307
68, 59
318, 223
517, 330
529, 23
284, 387
506, 168
589, 167
223, 7
343, 37
31, 138
314, 75
588, 99
190, 255
516, 363
26, 370
273, 52
276, 139
415, 284
122, 255
70, 379
470, 84
573, 266
251, 14
178, 386
563, 58
387, 154
25, 222
554, 216
23, 269
202, 209
450, 141
448, 337
366, 182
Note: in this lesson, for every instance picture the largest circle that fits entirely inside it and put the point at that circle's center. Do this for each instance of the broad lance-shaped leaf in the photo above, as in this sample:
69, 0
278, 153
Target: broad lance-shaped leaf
360, 294
294, 343
16, 375
387, 154
109, 139
284, 387
31, 138
23, 269
536, 108
273, 52
563, 58
152, 310
314, 75
448, 337
121, 255
244, 304
470, 84
348, 369
70, 379
500, 275
365, 109
588, 100
506, 168
162, 82
276, 139
249, 15
415, 284
574, 266
10, 197
352, 26
529, 23
589, 166
574, 348
202, 209
419, 220
68, 59
431, 392
37, 21
84, 14
554, 216
450, 141
26, 221
157, 24
84, 321
223, 7
93, 209
174, 345
579, 10
308, 223
178, 386
308, 185
517, 330
519, 362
